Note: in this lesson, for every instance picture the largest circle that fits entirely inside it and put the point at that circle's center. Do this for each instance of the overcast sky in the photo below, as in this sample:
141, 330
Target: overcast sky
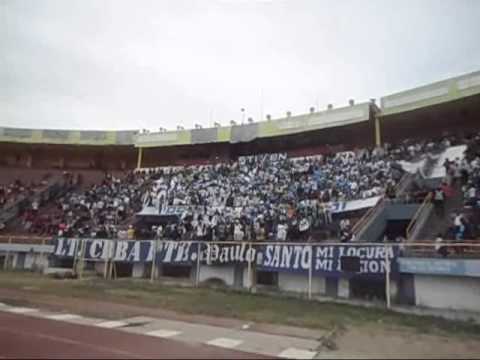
147, 64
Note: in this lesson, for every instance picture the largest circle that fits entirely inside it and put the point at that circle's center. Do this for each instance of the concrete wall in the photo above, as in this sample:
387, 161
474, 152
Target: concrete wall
434, 291
448, 292
100, 267
293, 282
30, 260
401, 211
35, 259
224, 273
299, 283
138, 270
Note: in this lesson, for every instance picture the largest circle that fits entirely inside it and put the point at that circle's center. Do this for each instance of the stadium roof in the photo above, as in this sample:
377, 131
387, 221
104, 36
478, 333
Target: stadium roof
433, 94
67, 137
248, 132
441, 92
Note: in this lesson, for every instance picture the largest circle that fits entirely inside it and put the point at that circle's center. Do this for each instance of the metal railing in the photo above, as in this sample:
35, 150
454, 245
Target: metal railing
419, 216
367, 217
420, 246
22, 239
464, 249
403, 184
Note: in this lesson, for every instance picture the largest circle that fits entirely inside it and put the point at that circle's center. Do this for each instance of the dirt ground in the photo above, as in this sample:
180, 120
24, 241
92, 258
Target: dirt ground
383, 343
353, 341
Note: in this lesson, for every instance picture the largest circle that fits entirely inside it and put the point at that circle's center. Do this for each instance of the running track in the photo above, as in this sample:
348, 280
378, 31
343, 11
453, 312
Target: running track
26, 337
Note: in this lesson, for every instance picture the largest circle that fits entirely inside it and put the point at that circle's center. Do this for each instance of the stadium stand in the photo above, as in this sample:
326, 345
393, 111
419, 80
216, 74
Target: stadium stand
260, 197
265, 180
404, 177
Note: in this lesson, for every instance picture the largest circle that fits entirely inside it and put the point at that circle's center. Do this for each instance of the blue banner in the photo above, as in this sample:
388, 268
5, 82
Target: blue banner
290, 258
102, 249
176, 252
218, 253
325, 259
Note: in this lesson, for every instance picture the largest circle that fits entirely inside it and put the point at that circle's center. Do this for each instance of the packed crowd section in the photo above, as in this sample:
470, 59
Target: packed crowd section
271, 196
267, 197
261, 197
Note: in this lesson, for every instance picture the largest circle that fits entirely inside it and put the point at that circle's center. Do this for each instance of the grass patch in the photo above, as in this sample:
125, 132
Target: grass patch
233, 304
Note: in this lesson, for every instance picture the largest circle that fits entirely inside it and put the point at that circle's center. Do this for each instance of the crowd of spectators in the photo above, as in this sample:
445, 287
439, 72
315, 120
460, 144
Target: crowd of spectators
99, 211
411, 149
17, 190
260, 197
462, 174
466, 173
269, 196
273, 197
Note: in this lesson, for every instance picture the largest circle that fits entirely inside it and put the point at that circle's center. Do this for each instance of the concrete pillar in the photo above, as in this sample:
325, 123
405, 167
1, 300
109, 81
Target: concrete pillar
394, 290
245, 280
139, 158
343, 288
29, 160
12, 260
378, 135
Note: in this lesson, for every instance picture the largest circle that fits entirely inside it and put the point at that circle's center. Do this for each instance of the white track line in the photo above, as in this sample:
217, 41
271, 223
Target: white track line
163, 333
293, 353
21, 310
111, 324
225, 342
63, 317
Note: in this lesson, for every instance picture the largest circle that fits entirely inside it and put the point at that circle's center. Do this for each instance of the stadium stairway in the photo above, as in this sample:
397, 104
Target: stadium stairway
379, 213
379, 220
371, 218
434, 224
404, 184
